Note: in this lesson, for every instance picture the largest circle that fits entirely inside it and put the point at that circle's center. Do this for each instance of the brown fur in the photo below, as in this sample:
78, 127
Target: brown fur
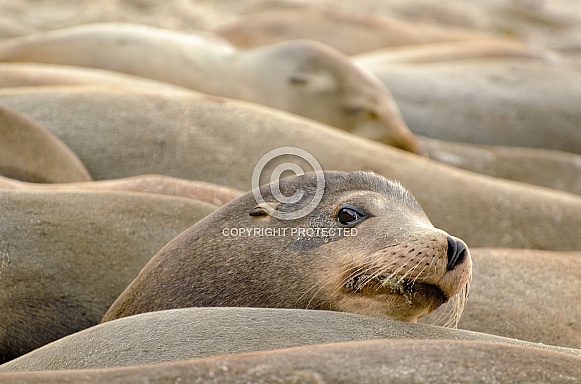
121, 133
544, 167
495, 102
401, 361
183, 334
539, 288
162, 185
30, 152
66, 256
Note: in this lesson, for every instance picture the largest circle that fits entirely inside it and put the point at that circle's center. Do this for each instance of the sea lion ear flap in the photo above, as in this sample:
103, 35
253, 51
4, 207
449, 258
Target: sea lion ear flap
316, 82
261, 210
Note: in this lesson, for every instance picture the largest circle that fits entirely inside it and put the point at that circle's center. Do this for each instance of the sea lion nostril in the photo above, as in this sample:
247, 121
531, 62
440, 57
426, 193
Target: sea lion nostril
456, 252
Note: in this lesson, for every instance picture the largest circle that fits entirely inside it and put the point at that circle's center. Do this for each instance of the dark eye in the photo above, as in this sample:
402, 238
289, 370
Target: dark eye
349, 216
353, 110
361, 112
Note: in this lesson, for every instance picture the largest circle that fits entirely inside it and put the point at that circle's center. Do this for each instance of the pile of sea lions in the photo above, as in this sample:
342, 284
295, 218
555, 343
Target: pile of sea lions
290, 192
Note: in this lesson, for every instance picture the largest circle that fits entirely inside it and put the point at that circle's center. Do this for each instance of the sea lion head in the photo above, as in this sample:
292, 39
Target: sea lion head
367, 247
316, 81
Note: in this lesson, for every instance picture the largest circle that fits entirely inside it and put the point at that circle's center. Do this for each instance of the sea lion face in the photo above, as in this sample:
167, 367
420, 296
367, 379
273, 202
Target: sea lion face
320, 83
367, 247
374, 251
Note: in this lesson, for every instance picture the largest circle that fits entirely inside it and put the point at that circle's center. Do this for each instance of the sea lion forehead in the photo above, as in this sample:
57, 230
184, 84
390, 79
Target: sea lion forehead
312, 56
338, 185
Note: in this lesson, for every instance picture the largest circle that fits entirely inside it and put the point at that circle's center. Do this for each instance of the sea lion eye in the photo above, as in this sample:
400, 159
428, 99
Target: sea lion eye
349, 216
361, 112
258, 211
353, 110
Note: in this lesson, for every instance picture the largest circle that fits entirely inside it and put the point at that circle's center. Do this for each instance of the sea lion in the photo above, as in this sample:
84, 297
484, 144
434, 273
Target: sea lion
18, 19
182, 334
535, 287
367, 248
493, 102
346, 32
544, 167
33, 74
30, 152
456, 51
554, 24
66, 256
303, 77
164, 185
122, 132
374, 361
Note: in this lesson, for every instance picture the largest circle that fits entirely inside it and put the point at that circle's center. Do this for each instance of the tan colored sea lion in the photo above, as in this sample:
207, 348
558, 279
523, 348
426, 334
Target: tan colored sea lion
555, 24
303, 77
163, 185
33, 74
375, 361
366, 247
456, 51
121, 133
496, 102
66, 256
544, 167
30, 152
539, 288
183, 334
532, 166
349, 33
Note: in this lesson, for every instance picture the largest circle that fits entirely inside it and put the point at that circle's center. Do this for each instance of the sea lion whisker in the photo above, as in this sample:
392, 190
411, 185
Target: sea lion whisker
399, 269
316, 293
420, 273
456, 309
445, 314
451, 313
313, 286
434, 264
358, 279
354, 272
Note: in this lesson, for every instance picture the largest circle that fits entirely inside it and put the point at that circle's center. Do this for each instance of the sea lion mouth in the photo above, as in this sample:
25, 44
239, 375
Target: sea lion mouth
372, 285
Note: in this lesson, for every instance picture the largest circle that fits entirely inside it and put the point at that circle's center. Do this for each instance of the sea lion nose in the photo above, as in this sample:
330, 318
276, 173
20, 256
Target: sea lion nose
456, 252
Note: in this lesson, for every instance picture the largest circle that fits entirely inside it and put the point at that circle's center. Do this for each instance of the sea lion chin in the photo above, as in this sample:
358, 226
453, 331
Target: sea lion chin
366, 248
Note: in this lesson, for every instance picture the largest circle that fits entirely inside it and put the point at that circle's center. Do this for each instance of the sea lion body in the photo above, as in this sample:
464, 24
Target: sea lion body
182, 334
120, 133
536, 287
34, 74
66, 256
302, 77
30, 152
456, 51
538, 166
216, 195
348, 33
493, 102
385, 260
374, 361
